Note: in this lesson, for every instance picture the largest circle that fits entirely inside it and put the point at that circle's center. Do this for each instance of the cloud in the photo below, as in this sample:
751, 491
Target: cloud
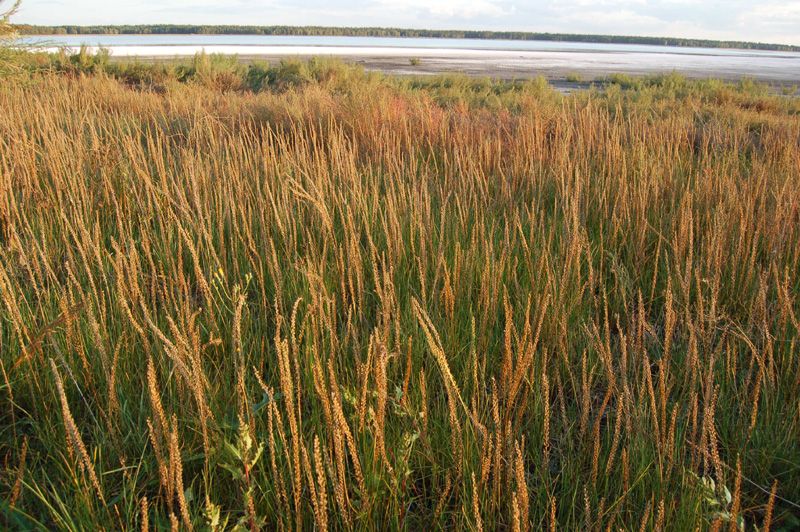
621, 18
450, 9
600, 3
773, 14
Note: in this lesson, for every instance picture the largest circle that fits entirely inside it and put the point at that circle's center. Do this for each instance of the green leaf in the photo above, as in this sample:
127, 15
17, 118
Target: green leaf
237, 474
211, 513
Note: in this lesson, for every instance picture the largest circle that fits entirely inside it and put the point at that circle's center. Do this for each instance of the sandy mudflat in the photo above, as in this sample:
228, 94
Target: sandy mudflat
777, 69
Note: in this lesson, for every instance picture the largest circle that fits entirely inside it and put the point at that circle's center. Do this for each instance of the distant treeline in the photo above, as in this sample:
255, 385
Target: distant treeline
164, 29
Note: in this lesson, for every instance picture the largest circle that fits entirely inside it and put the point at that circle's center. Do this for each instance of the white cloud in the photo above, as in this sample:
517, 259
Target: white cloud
772, 13
621, 18
448, 9
600, 3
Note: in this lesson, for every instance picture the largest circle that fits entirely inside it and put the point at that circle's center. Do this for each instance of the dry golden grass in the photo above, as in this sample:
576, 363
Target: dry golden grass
386, 305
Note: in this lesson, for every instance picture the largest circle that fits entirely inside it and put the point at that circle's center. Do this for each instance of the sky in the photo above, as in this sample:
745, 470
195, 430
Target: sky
773, 21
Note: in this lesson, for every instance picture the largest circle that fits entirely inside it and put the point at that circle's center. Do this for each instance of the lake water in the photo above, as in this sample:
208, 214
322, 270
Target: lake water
478, 55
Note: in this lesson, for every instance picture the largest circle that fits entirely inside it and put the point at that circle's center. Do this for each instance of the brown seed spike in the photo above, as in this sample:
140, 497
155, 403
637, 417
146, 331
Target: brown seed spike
74, 435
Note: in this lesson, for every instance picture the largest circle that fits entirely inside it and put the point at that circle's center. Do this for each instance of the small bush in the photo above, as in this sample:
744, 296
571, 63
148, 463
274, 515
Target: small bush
574, 77
623, 80
258, 75
290, 72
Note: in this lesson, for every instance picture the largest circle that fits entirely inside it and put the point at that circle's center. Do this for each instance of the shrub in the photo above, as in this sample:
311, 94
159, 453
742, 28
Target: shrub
574, 77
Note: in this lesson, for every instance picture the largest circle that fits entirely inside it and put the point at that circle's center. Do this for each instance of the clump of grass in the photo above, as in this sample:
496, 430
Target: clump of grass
305, 296
415, 61
574, 77
620, 78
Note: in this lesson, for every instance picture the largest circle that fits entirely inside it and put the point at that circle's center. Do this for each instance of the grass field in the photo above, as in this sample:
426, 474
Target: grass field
306, 297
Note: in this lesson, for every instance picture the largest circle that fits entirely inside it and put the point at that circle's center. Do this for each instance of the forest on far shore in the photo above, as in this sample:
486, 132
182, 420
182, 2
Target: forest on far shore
188, 29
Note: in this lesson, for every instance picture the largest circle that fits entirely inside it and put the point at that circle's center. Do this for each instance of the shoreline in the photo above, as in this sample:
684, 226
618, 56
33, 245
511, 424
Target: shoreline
507, 66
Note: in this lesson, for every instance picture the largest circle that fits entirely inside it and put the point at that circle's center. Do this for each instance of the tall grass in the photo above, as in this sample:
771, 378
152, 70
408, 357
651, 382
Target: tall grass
351, 302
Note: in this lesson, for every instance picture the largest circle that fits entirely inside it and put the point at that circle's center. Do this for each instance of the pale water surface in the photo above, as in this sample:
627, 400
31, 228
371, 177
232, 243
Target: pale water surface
526, 57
